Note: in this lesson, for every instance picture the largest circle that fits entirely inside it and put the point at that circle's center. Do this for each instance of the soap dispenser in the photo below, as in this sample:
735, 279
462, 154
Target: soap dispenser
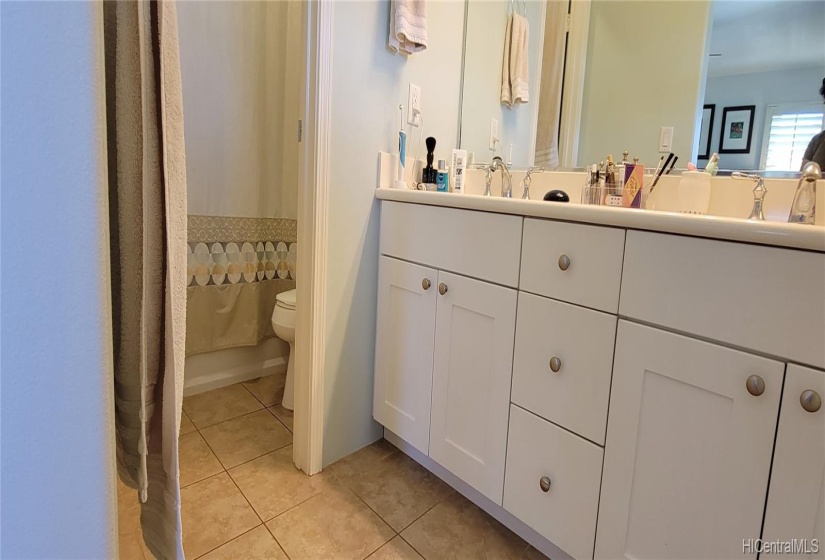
803, 209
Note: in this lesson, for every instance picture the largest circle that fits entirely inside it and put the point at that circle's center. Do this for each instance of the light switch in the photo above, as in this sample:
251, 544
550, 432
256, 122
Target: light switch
666, 139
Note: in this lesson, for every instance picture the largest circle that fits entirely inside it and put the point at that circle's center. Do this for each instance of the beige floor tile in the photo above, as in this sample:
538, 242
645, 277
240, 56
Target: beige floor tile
272, 484
257, 544
284, 415
213, 513
268, 389
186, 425
457, 529
244, 438
333, 524
131, 547
216, 406
399, 490
362, 461
196, 459
396, 549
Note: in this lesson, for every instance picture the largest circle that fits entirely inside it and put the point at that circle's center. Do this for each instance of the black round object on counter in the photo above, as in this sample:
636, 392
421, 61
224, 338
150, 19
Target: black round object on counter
556, 196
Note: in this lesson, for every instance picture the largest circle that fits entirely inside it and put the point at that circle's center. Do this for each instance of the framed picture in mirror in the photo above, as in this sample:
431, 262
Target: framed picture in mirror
706, 131
737, 130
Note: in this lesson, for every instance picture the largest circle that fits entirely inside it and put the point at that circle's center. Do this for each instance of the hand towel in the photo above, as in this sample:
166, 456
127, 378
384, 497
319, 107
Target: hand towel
408, 26
515, 64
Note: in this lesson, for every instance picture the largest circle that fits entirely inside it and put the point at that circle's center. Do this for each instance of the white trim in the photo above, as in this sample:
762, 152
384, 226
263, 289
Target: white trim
312, 234
534, 127
575, 61
496, 511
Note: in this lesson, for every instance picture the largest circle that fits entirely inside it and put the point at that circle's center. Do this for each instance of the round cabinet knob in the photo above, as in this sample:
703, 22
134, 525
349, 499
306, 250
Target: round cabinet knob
555, 364
425, 283
544, 484
755, 385
564, 262
442, 288
810, 400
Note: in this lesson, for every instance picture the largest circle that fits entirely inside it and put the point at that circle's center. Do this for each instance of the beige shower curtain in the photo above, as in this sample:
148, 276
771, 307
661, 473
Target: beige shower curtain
147, 212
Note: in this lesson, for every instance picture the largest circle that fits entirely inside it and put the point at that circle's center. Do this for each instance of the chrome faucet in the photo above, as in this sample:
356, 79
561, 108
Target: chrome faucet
527, 180
506, 179
759, 192
803, 209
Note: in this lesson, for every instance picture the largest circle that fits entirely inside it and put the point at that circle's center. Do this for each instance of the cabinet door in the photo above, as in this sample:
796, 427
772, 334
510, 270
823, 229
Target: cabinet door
688, 450
796, 504
405, 329
475, 328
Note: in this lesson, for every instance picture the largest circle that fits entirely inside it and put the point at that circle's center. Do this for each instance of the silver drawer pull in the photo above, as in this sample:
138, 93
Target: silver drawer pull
810, 400
442, 288
555, 364
544, 484
564, 262
755, 385
425, 283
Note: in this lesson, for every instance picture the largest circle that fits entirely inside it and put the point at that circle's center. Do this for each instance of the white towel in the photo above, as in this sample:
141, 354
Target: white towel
408, 26
515, 88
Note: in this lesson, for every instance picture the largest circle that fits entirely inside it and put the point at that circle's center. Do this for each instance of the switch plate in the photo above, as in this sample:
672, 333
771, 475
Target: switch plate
414, 106
666, 139
494, 134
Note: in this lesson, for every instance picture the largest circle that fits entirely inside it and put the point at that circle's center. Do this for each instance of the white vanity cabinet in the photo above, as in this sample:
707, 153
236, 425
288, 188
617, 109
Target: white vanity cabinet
444, 341
611, 391
689, 443
796, 503
404, 339
475, 323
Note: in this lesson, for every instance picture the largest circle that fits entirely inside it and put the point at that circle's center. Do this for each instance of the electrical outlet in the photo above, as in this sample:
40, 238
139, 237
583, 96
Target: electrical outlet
414, 106
494, 139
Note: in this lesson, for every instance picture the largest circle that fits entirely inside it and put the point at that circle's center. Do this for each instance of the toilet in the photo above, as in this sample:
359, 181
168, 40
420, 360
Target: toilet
283, 322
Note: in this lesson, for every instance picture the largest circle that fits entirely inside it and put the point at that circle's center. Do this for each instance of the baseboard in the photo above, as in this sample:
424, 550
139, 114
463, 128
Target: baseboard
496, 511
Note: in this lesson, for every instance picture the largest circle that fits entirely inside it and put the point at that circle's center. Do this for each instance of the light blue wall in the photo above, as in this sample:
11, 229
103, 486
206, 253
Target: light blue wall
58, 492
799, 85
369, 82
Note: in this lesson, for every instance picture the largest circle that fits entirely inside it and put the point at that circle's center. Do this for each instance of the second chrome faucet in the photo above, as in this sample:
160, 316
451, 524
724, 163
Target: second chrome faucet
506, 179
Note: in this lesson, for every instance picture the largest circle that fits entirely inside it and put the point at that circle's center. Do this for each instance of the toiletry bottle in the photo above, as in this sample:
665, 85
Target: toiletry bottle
442, 177
458, 167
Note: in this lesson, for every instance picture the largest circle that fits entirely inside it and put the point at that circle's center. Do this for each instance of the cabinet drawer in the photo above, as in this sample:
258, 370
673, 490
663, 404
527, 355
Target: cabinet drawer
763, 298
477, 244
566, 513
594, 254
576, 395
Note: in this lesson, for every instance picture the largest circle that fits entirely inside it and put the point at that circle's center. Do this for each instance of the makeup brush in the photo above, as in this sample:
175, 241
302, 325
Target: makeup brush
672, 165
429, 172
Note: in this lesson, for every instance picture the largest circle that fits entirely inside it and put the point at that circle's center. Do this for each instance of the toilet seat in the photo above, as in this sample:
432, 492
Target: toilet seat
286, 300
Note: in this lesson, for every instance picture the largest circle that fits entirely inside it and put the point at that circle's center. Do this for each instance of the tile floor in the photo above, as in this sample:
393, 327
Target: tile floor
244, 499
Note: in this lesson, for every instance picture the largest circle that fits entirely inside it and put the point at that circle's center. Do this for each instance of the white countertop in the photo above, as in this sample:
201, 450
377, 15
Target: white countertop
811, 238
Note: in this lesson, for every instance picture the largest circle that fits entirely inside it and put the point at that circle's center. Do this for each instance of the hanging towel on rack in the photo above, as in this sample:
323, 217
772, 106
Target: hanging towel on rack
408, 26
515, 88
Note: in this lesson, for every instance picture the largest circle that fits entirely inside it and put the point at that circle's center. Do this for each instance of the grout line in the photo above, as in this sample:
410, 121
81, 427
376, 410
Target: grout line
277, 542
227, 542
233, 482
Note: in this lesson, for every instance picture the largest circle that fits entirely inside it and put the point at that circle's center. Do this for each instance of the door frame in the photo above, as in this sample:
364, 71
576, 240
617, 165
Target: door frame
313, 209
573, 86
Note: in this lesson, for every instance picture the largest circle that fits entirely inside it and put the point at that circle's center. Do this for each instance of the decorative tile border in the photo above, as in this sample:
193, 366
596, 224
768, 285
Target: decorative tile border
225, 229
218, 263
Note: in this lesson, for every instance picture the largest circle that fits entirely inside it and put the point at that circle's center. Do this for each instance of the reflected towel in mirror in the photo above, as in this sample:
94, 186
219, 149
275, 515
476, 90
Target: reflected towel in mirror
514, 67
408, 26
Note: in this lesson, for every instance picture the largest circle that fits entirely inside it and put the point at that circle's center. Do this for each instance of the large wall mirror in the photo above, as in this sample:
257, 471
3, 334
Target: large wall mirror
564, 83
